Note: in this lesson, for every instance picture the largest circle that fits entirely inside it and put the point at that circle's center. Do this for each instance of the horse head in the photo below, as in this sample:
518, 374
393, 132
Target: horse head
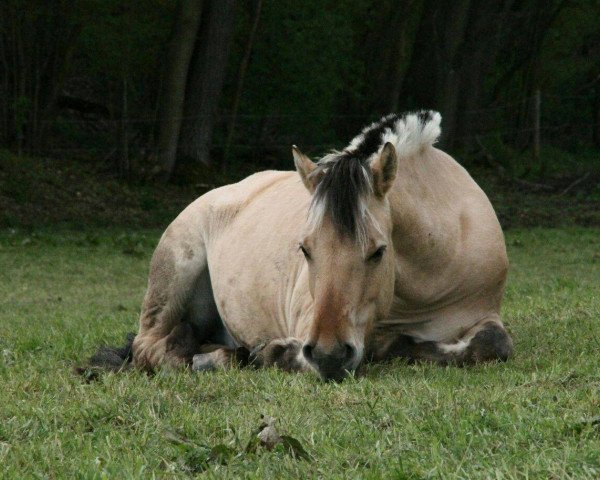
347, 243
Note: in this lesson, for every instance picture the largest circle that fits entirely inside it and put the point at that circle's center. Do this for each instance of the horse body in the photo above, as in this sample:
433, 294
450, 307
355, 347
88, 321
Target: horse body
451, 262
259, 275
229, 271
235, 251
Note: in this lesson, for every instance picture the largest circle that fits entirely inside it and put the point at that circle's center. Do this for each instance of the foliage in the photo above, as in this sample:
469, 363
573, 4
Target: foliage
123, 38
37, 192
299, 67
318, 71
533, 417
570, 75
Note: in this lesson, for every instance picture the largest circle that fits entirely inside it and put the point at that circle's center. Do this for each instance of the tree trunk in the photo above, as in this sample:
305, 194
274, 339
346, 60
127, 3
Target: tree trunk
596, 121
480, 48
54, 78
240, 84
123, 157
388, 46
540, 15
205, 80
181, 47
434, 76
450, 67
36, 49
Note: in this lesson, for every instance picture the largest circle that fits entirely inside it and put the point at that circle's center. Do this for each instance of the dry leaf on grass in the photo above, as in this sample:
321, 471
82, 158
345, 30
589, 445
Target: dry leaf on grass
268, 437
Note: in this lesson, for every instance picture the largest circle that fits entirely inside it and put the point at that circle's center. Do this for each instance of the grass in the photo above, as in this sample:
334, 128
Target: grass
61, 294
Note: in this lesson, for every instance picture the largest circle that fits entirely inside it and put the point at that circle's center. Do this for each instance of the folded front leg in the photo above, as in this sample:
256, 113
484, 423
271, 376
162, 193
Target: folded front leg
283, 353
220, 357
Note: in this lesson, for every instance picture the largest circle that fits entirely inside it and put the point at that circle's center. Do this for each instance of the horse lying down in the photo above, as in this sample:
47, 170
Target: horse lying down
387, 248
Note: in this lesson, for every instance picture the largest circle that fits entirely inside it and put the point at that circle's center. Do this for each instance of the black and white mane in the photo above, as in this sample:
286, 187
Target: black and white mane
347, 180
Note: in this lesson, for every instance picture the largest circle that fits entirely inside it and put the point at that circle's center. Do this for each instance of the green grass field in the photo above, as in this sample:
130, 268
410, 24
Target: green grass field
62, 294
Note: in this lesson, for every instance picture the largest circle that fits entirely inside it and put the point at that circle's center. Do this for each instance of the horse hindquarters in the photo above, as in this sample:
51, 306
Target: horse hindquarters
163, 309
178, 312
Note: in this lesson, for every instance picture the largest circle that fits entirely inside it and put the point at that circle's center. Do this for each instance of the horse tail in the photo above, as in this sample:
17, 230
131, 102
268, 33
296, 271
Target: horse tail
108, 359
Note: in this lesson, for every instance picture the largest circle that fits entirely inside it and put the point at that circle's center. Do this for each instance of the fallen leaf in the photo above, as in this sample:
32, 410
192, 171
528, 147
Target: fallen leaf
268, 436
294, 447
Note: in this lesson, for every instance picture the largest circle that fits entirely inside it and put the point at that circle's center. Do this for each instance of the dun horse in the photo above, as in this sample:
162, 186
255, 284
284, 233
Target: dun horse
385, 249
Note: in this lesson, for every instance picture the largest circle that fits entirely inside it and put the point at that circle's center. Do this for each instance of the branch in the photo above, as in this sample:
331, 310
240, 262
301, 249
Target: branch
575, 183
490, 158
533, 185
81, 105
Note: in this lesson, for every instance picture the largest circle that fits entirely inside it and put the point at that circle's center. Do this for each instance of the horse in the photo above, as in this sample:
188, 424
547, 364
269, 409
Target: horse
387, 248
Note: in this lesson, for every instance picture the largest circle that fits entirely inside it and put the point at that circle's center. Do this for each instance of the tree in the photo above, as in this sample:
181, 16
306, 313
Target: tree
434, 76
181, 47
240, 80
37, 41
391, 44
193, 78
205, 79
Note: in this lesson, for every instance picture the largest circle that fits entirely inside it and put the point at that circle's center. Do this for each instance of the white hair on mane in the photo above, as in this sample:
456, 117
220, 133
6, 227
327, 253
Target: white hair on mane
408, 133
346, 178
413, 133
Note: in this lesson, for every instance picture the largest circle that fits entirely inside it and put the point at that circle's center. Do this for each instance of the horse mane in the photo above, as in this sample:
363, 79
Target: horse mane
347, 180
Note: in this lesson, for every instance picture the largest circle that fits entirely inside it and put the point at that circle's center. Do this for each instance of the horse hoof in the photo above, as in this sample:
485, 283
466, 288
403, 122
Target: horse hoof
202, 362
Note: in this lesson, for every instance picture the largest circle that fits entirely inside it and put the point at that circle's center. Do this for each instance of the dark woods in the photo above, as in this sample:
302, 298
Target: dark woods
150, 87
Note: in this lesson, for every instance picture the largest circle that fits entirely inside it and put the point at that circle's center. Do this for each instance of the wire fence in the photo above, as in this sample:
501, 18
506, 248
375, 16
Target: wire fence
107, 136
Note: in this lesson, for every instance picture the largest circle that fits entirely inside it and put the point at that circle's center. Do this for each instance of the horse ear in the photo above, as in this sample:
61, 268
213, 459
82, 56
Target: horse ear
306, 168
384, 170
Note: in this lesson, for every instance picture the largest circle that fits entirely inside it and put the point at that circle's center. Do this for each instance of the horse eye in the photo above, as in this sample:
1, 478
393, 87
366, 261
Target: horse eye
305, 252
377, 255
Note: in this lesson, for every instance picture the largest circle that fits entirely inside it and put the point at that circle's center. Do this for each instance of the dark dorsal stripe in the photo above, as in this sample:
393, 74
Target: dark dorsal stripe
371, 140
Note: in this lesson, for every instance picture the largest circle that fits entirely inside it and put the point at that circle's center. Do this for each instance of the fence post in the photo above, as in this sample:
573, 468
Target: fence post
537, 105
124, 167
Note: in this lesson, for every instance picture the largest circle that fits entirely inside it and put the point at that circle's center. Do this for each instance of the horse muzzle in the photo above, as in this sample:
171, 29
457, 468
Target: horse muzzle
333, 364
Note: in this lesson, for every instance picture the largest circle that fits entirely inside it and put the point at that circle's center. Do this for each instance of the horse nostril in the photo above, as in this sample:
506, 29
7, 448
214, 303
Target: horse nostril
307, 350
350, 351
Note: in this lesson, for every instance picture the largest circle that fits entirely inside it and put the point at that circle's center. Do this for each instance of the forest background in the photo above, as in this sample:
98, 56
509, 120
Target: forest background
119, 99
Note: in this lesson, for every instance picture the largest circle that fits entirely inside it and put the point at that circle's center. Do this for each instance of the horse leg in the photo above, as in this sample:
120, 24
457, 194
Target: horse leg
484, 342
178, 312
220, 357
283, 353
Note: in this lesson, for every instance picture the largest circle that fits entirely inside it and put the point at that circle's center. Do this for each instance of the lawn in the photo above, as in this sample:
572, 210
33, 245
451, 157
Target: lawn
63, 293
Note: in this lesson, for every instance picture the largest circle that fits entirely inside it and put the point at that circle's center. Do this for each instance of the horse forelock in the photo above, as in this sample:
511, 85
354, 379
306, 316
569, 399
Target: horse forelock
347, 180
342, 195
